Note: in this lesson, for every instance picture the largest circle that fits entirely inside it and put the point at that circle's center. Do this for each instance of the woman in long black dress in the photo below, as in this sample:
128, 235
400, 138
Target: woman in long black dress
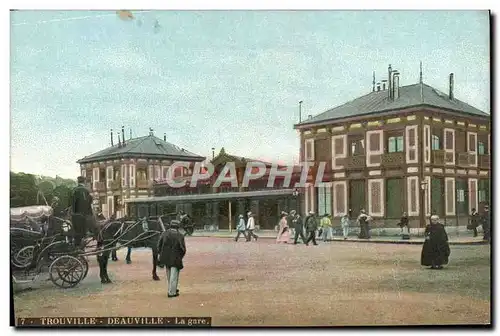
436, 249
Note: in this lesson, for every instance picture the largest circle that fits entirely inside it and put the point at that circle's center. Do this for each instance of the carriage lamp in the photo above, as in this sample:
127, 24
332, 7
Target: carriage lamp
295, 193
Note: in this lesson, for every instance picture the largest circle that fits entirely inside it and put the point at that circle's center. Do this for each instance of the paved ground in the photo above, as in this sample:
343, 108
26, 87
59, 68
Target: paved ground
262, 283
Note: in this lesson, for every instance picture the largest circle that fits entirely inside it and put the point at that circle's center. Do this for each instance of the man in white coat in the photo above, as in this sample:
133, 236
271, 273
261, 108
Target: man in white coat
251, 227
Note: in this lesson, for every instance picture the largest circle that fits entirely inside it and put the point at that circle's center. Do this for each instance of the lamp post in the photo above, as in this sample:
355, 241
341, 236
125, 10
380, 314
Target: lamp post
423, 188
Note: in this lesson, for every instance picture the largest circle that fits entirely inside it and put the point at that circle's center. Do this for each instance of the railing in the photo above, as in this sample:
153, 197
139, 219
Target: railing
357, 161
143, 184
116, 184
484, 161
438, 157
463, 159
393, 159
100, 186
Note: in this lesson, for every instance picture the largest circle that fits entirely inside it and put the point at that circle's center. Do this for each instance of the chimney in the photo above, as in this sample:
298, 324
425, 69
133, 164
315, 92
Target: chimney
373, 83
111, 137
150, 131
383, 84
164, 136
123, 135
395, 83
389, 85
378, 86
119, 142
130, 133
452, 83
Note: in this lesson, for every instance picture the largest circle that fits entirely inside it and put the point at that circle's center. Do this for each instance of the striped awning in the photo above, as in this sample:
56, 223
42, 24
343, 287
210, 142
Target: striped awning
214, 196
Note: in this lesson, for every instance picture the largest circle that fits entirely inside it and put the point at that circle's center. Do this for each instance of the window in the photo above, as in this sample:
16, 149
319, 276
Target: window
102, 174
141, 174
357, 147
324, 200
395, 144
435, 145
481, 150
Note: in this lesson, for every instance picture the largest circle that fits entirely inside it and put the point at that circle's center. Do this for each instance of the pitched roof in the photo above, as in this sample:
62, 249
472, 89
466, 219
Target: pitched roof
148, 146
409, 96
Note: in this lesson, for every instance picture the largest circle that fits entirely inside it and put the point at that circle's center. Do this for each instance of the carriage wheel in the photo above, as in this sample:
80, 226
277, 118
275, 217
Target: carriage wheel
85, 264
23, 257
66, 271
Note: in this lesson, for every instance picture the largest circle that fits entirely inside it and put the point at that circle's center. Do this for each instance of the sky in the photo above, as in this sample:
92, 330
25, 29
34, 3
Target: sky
229, 79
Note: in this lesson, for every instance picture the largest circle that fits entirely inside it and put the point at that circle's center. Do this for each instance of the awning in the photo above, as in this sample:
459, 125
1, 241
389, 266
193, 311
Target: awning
213, 196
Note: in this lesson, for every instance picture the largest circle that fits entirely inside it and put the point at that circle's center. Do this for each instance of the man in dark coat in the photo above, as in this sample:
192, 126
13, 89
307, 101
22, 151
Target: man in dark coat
473, 221
82, 216
311, 227
486, 223
436, 250
298, 226
171, 250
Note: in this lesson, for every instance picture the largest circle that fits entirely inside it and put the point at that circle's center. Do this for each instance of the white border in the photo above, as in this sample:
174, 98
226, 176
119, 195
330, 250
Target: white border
335, 155
409, 179
382, 198
449, 212
335, 210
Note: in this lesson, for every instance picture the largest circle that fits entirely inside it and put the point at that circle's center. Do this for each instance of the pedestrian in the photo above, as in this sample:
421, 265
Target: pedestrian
486, 223
363, 220
240, 227
311, 227
251, 227
345, 222
436, 250
283, 229
298, 227
404, 225
326, 226
171, 250
473, 221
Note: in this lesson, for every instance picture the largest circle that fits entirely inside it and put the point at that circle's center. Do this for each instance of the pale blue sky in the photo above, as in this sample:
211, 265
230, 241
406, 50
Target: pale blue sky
220, 78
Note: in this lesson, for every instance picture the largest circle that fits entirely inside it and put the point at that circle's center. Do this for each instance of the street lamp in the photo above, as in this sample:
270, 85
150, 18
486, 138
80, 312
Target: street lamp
295, 193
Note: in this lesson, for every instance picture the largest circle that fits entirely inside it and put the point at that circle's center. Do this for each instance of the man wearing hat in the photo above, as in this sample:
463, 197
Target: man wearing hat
251, 227
240, 227
171, 250
311, 227
297, 226
486, 223
82, 218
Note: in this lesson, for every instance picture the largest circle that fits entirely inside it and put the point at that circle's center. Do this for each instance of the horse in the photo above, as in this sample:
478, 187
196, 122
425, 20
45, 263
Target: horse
145, 232
186, 224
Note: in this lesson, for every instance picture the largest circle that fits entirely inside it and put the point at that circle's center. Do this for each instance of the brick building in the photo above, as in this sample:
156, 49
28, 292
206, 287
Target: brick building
399, 149
128, 168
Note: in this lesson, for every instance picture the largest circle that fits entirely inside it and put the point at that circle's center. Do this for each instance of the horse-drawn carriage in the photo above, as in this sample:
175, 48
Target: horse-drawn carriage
41, 241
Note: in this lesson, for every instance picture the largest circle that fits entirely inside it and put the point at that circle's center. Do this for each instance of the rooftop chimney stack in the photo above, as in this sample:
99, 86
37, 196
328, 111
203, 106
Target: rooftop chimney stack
123, 135
452, 83
373, 83
395, 83
119, 142
130, 133
164, 136
384, 81
111, 137
150, 131
389, 81
378, 86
